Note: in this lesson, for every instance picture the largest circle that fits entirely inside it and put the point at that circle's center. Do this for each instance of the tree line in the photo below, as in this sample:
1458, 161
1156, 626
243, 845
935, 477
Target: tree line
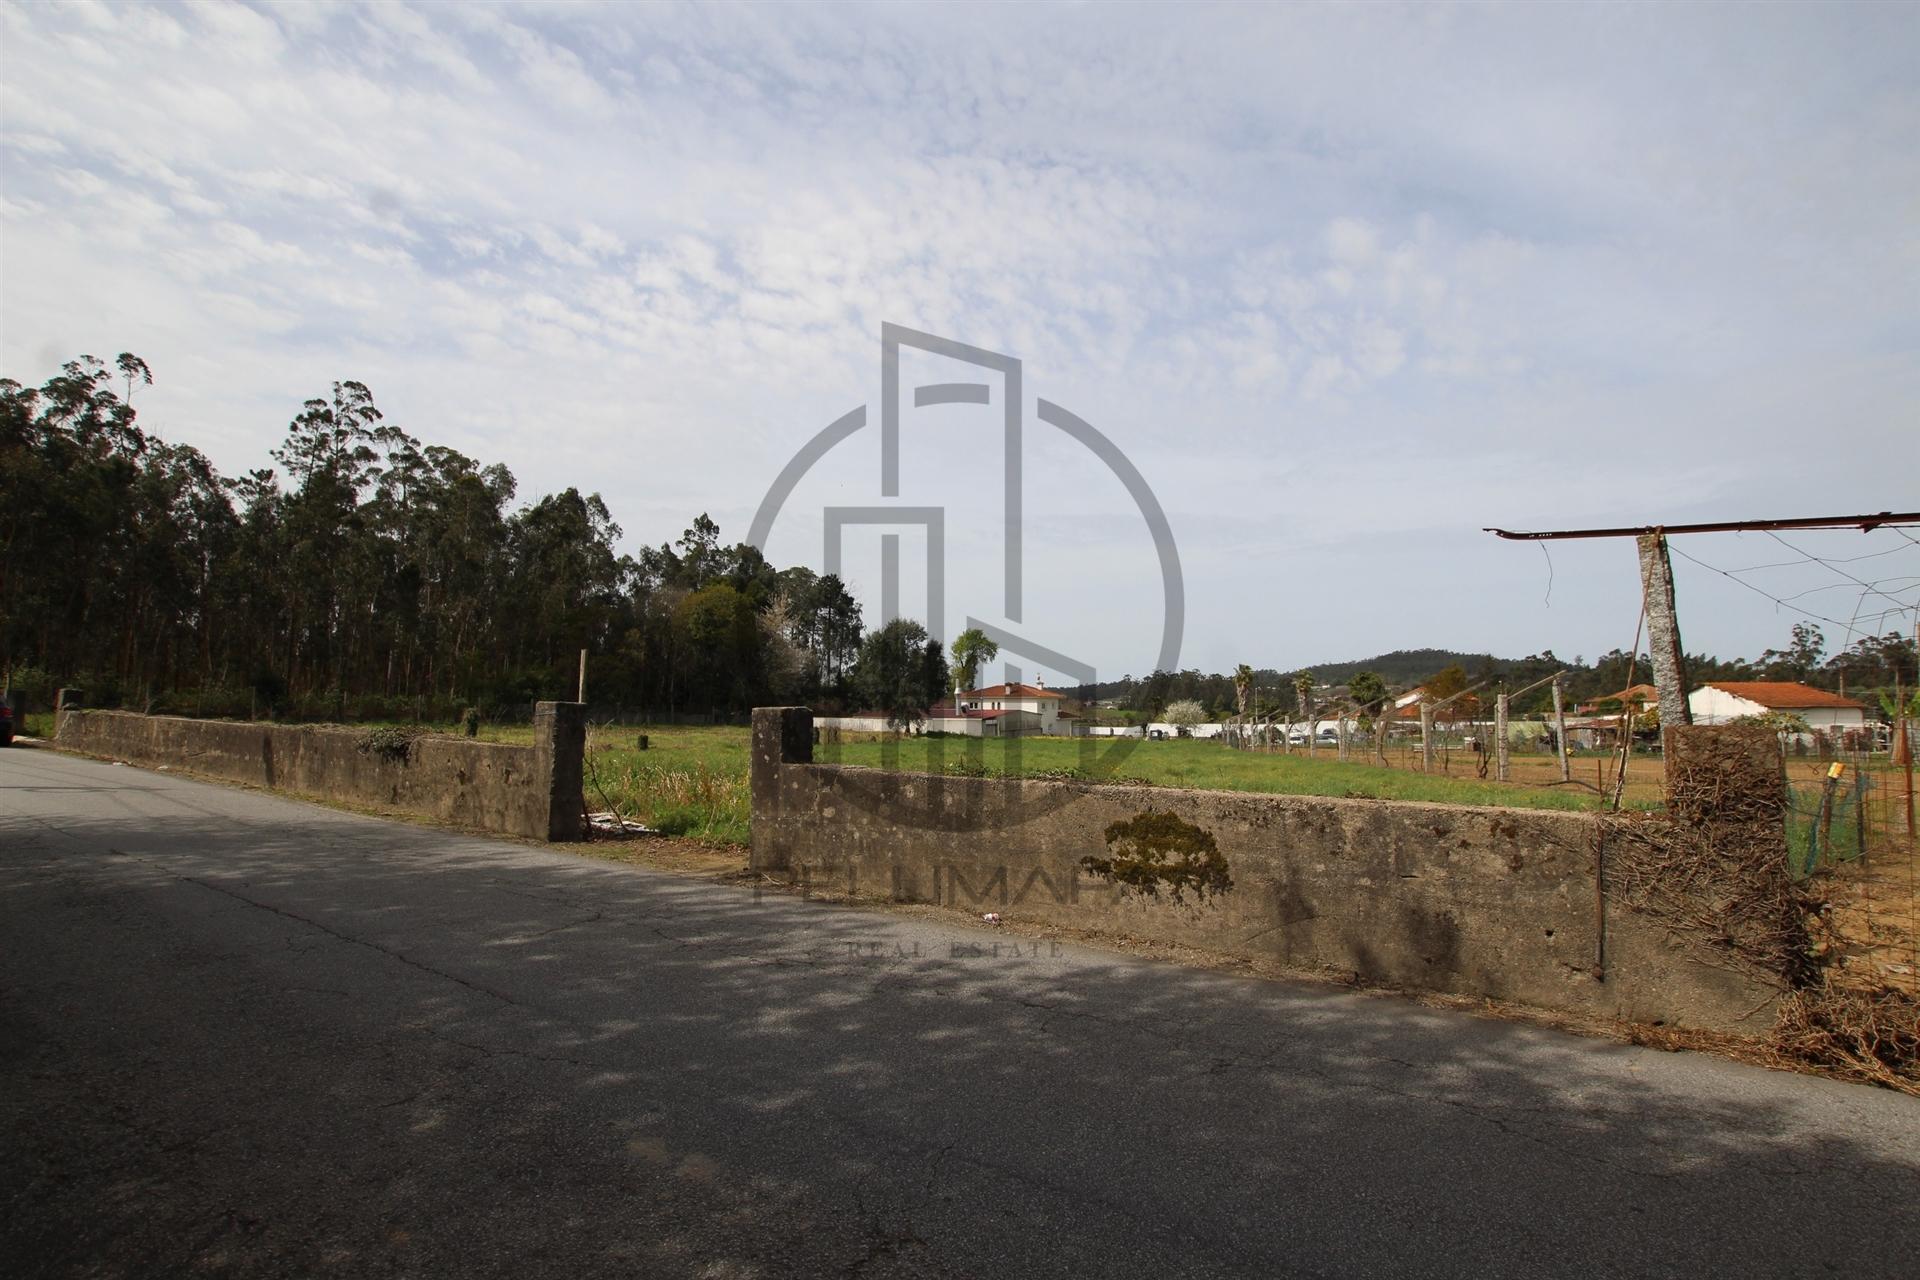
367, 574
1868, 668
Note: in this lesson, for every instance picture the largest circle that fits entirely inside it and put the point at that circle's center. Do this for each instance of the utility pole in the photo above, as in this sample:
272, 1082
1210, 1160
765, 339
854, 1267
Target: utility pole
1663, 631
1656, 583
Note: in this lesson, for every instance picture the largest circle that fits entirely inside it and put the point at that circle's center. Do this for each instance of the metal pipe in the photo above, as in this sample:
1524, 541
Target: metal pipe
1726, 526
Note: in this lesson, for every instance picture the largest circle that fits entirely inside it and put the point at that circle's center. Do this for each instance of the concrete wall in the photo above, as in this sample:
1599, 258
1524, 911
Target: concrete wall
1500, 903
530, 791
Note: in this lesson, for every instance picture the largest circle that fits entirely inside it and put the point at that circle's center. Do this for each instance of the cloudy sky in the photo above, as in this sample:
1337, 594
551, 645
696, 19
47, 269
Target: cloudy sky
1346, 284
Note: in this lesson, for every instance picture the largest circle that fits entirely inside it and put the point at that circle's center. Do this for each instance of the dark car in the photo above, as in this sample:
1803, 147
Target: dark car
6, 723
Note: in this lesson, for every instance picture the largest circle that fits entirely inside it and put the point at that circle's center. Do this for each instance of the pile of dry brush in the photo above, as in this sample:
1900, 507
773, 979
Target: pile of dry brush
1717, 874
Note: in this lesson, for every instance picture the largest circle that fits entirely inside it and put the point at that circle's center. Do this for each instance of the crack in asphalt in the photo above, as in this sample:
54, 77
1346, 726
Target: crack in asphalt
476, 987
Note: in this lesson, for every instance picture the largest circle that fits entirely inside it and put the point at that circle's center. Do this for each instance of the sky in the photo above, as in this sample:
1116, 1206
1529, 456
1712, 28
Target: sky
1345, 284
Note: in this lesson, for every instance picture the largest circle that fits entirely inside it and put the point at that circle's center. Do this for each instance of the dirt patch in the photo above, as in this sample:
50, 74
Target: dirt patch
670, 853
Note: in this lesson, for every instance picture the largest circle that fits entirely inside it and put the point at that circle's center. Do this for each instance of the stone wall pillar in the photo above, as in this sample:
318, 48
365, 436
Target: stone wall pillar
559, 765
781, 735
66, 700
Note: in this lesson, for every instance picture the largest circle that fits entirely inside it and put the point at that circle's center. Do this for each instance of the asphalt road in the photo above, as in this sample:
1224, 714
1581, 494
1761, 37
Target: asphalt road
244, 1035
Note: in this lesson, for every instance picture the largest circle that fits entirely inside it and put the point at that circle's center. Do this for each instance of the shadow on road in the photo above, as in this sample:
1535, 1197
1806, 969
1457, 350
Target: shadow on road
247, 1035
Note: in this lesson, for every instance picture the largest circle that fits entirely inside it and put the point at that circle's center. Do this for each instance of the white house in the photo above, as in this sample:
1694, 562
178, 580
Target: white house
1725, 700
1035, 699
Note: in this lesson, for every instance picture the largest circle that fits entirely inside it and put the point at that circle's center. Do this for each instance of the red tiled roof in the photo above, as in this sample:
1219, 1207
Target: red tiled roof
1012, 691
1782, 695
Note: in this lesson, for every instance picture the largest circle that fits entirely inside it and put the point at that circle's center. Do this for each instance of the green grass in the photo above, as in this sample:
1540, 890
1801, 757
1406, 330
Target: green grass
692, 781
1189, 763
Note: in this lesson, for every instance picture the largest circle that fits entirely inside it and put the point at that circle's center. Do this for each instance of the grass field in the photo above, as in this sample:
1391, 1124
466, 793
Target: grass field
693, 781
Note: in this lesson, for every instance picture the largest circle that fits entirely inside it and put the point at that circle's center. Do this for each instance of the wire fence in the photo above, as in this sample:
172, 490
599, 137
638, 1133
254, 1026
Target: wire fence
1850, 823
1827, 820
1470, 749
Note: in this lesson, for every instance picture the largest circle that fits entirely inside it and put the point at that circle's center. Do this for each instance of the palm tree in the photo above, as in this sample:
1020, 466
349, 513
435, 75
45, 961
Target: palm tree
1242, 685
1303, 686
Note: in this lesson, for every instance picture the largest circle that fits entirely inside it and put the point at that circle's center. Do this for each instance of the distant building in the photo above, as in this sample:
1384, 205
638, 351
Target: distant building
1632, 698
1724, 700
1035, 699
940, 718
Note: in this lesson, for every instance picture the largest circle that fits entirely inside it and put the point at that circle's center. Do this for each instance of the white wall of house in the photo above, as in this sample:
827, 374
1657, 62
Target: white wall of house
968, 725
1716, 706
852, 724
1193, 730
1019, 721
1011, 724
1712, 705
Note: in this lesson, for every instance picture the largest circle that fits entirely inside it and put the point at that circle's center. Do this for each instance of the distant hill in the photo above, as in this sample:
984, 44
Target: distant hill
1407, 666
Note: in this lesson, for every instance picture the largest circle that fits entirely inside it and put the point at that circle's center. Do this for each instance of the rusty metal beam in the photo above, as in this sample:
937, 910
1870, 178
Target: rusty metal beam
1724, 526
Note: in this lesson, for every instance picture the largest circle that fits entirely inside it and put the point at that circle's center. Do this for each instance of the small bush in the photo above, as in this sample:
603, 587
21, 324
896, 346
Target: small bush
393, 742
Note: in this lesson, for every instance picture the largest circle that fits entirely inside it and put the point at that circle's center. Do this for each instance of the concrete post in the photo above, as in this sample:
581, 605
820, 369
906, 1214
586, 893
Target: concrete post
64, 701
781, 736
1560, 730
1426, 736
559, 765
1502, 766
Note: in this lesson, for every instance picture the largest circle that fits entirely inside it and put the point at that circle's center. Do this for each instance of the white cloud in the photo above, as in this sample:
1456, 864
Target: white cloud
1502, 257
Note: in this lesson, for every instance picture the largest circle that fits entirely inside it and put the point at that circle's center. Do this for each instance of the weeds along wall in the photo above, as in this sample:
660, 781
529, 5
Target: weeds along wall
1505, 904
532, 791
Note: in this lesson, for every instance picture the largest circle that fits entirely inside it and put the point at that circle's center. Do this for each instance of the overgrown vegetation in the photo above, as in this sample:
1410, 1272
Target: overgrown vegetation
1718, 876
390, 742
690, 782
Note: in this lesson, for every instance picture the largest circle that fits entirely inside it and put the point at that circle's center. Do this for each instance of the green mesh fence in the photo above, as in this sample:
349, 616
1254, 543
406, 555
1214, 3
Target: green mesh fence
1827, 821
